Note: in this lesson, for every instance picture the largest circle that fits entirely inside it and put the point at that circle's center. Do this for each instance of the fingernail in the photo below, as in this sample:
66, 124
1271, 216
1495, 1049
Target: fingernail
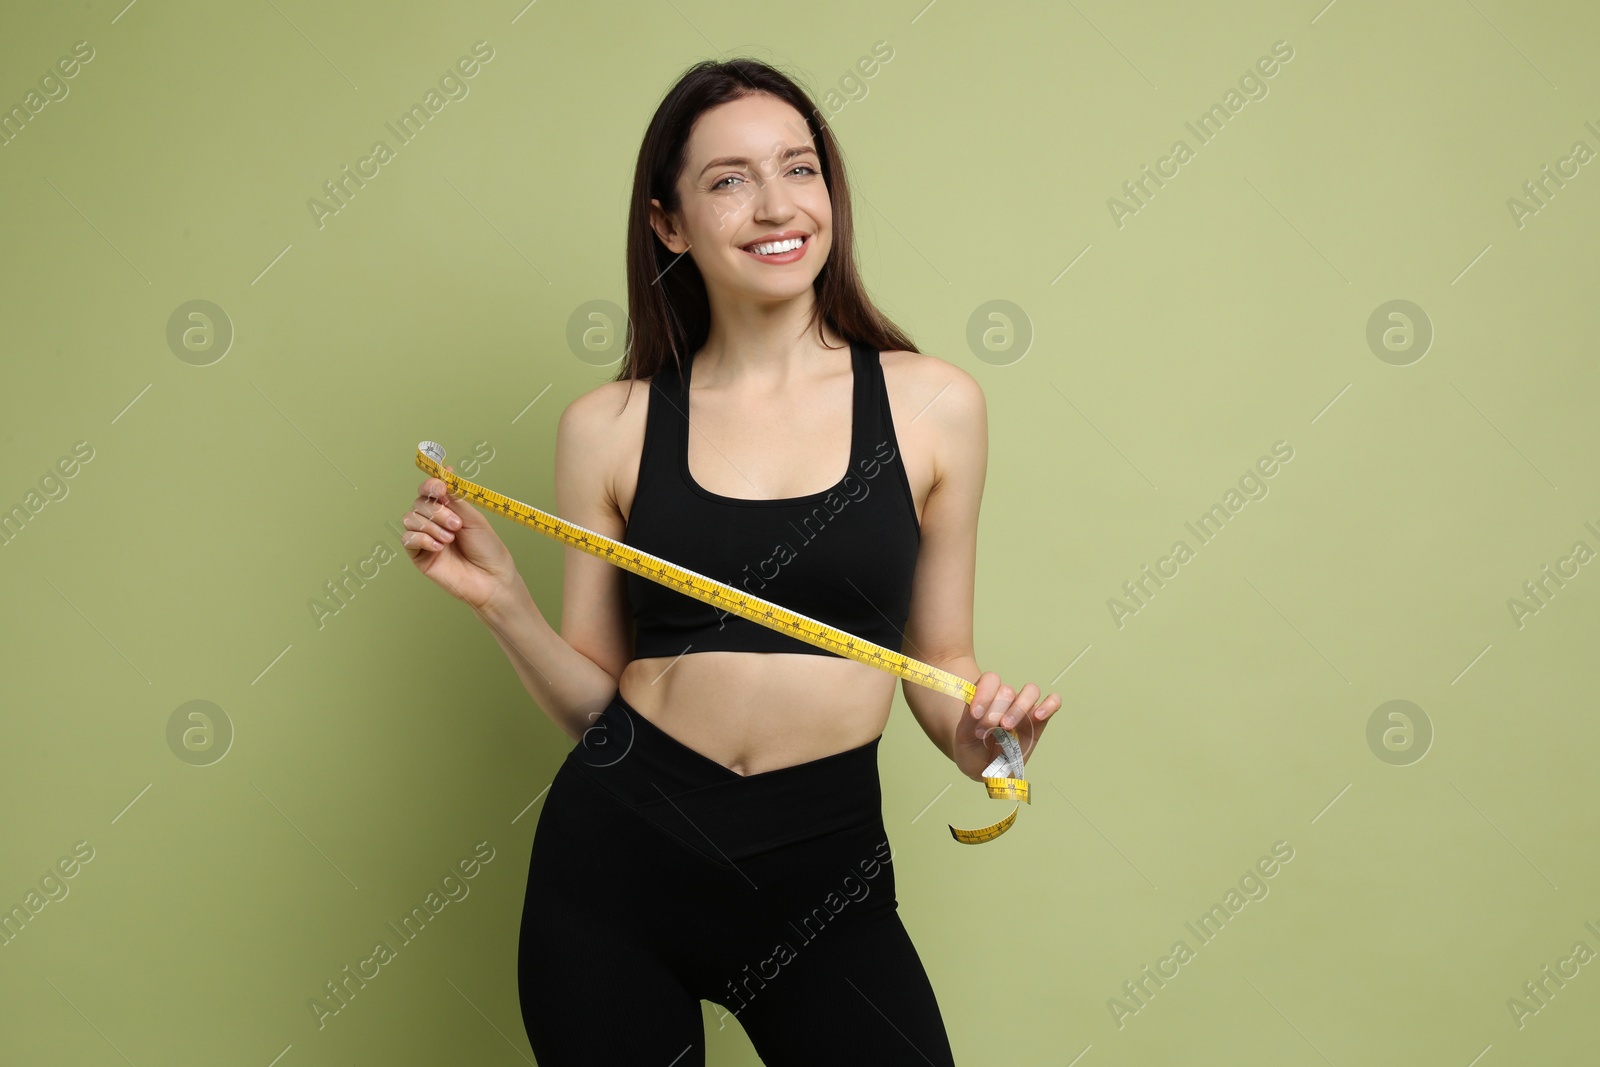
977, 711
1007, 722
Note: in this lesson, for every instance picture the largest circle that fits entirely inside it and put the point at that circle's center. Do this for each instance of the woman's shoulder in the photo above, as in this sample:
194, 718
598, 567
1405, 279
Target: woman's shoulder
599, 435
606, 419
921, 365
919, 377
622, 399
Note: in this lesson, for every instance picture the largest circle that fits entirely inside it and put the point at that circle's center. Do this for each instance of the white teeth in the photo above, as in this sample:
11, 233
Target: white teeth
778, 246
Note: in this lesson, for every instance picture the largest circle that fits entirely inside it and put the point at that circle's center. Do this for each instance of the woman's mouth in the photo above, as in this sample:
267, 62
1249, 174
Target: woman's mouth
776, 252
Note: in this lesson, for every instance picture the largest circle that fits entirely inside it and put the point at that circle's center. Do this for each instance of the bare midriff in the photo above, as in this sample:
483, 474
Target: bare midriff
754, 712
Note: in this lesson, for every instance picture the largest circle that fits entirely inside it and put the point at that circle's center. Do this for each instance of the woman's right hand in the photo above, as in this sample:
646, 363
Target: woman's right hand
452, 543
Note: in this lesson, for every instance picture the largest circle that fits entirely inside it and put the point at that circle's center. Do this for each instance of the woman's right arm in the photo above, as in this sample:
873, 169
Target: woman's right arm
571, 675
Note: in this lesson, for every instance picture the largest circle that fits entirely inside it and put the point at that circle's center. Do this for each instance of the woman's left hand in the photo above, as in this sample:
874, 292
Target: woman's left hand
994, 704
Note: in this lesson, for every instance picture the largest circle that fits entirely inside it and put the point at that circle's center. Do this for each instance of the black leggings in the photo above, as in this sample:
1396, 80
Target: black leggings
660, 878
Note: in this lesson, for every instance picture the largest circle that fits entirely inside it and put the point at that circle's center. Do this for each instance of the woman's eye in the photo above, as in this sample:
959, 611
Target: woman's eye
734, 177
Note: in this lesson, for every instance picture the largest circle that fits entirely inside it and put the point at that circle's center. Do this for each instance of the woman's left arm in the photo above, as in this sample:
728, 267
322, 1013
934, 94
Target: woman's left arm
939, 626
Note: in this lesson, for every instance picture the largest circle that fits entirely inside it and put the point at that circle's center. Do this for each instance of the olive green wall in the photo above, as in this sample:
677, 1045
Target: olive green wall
1327, 318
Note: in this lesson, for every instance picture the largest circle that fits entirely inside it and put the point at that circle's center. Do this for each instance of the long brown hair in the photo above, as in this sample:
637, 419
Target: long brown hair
669, 315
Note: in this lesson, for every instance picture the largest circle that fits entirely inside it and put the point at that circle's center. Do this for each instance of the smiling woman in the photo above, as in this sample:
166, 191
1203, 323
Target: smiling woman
725, 777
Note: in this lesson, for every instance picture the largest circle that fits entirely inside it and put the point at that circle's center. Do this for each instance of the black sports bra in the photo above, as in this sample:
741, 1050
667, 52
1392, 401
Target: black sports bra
844, 556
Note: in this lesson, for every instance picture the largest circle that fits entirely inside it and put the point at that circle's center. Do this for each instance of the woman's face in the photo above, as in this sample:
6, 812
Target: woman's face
751, 170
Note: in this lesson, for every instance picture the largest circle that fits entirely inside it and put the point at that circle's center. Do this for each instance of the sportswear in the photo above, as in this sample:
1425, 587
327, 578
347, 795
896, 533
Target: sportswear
844, 556
659, 878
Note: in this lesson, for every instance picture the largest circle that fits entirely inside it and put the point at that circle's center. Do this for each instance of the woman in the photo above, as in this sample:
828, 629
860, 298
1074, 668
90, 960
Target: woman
716, 832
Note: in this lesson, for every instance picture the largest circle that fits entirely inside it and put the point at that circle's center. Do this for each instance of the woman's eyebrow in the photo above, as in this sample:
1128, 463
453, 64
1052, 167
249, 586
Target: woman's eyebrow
728, 161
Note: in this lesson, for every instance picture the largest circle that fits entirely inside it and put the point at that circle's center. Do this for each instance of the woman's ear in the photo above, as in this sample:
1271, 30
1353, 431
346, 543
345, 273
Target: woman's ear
666, 229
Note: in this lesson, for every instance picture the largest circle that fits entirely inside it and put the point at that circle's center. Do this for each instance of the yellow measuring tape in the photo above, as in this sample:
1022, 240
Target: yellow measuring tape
1003, 777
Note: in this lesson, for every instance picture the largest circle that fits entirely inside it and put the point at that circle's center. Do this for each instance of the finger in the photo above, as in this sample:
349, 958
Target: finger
1032, 725
1048, 707
1021, 706
984, 692
463, 503
437, 488
439, 514
414, 520
1003, 697
416, 543
997, 707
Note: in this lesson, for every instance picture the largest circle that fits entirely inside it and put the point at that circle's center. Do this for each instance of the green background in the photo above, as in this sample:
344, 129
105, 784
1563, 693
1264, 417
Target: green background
1229, 312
